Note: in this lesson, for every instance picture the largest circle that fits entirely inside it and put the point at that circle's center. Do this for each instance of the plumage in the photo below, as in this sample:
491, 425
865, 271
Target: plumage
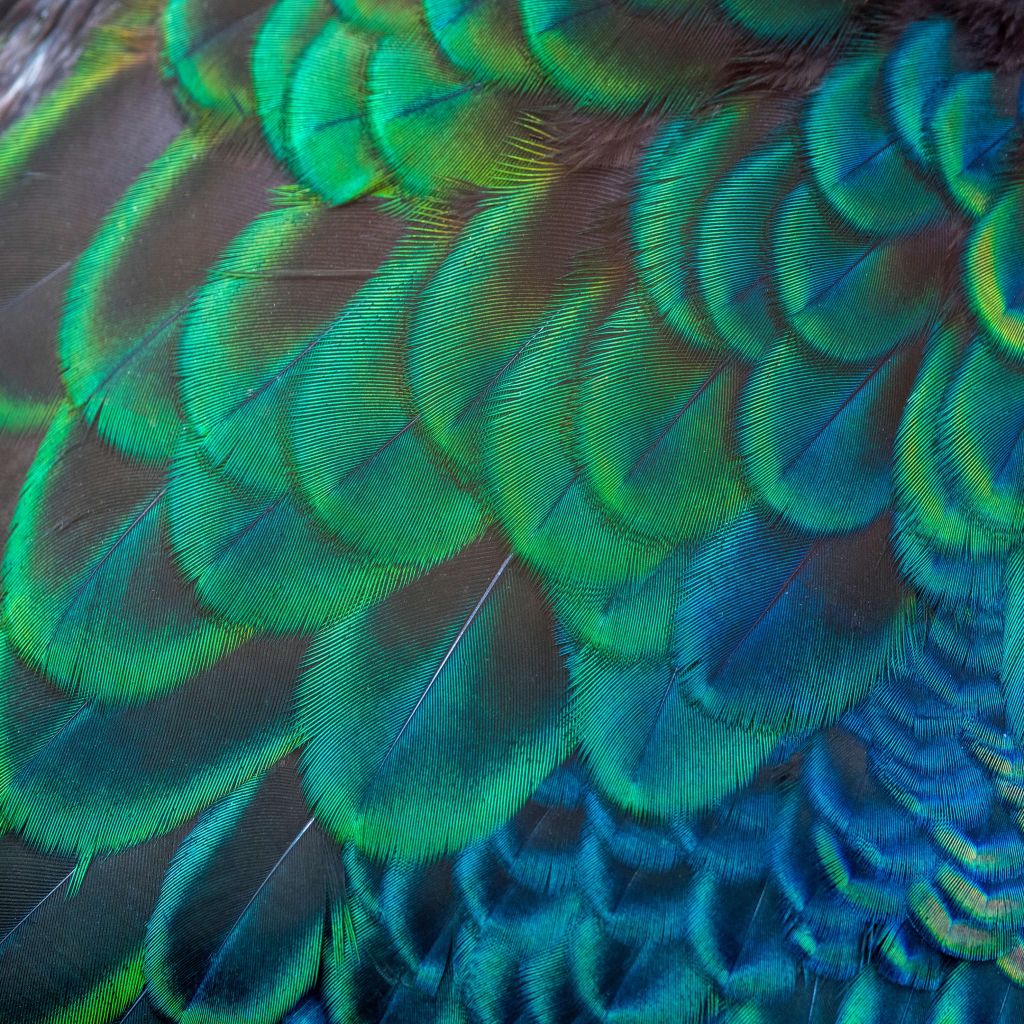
511, 513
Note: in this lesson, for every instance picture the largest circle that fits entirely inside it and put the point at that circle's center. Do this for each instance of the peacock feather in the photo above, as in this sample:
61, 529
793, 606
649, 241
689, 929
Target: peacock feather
513, 513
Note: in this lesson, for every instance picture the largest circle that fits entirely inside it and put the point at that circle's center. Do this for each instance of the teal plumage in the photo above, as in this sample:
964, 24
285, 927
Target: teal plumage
513, 513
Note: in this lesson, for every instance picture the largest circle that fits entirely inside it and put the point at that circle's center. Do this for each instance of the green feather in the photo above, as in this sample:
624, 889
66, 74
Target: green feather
362, 462
831, 283
941, 549
733, 249
684, 165
611, 56
506, 267
437, 130
384, 17
207, 45
86, 566
133, 286
92, 123
259, 559
267, 307
327, 125
655, 979
992, 272
975, 129
863, 175
794, 21
483, 38
539, 491
817, 437
75, 957
80, 778
237, 933
632, 619
430, 708
916, 75
653, 429
648, 748
977, 993
287, 31
984, 429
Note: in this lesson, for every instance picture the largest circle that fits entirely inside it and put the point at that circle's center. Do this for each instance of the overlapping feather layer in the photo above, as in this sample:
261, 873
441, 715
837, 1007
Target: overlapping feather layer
523, 520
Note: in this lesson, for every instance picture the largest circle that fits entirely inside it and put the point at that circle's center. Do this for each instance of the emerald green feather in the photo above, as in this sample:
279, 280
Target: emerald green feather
539, 491
648, 748
993, 272
831, 283
86, 565
653, 429
805, 623
506, 267
984, 426
258, 558
74, 956
290, 27
237, 932
976, 127
628, 620
429, 707
817, 437
207, 45
132, 288
436, 130
326, 124
685, 164
267, 307
733, 249
795, 21
864, 176
483, 38
363, 463
92, 123
917, 73
389, 18
81, 778
615, 57
943, 550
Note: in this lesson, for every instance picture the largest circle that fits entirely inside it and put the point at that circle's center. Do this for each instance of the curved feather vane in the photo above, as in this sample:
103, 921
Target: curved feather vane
508, 263
614, 56
354, 467
652, 750
435, 129
653, 423
96, 916
283, 38
207, 44
323, 129
511, 513
174, 755
76, 153
437, 739
259, 558
86, 556
237, 931
267, 307
132, 288
817, 437
846, 588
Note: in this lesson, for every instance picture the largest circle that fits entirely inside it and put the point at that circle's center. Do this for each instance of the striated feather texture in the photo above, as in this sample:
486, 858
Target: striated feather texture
512, 512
